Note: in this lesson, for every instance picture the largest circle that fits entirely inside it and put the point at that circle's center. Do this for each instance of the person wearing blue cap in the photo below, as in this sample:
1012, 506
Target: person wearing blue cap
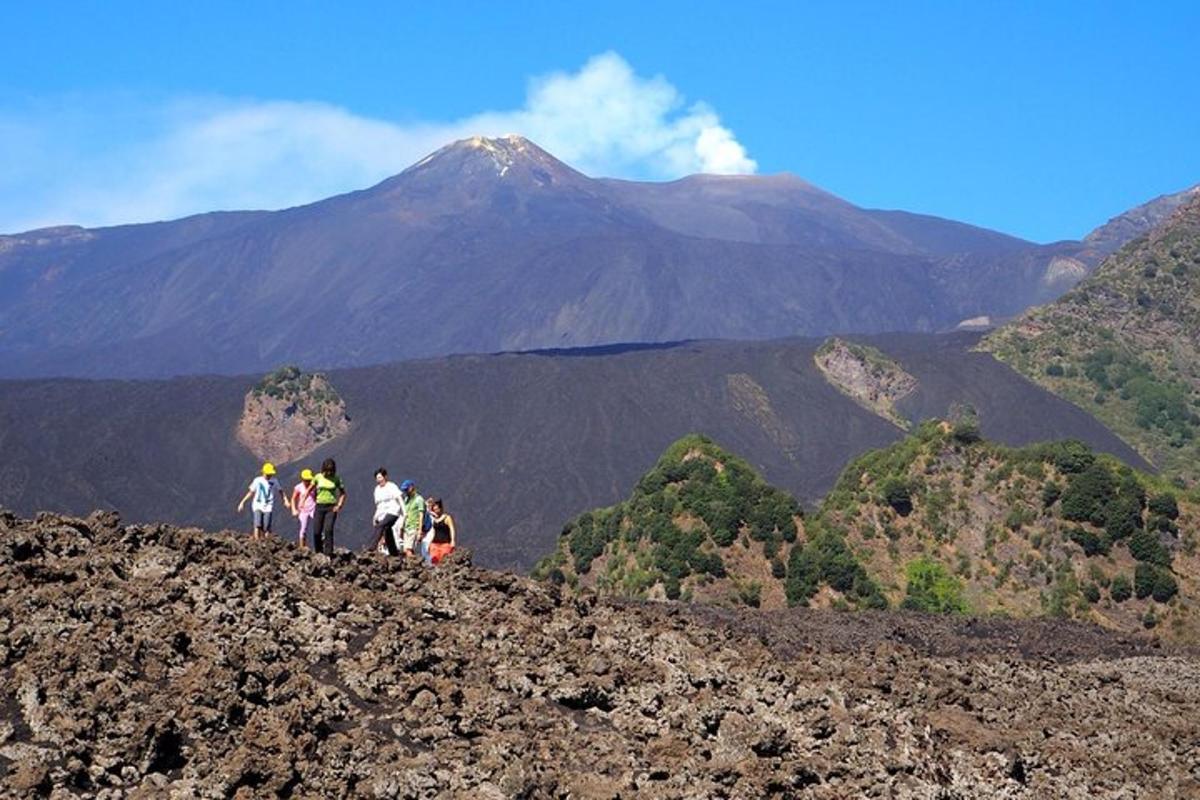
414, 516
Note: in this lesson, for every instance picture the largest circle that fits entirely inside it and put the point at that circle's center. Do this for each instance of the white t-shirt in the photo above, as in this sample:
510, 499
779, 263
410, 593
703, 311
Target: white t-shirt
387, 500
264, 489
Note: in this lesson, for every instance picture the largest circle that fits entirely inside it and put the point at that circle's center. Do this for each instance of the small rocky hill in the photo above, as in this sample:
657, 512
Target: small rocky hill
148, 661
290, 413
944, 521
1125, 344
700, 526
866, 375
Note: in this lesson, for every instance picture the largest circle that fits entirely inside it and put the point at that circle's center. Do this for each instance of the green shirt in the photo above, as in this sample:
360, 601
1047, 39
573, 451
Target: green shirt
414, 512
328, 489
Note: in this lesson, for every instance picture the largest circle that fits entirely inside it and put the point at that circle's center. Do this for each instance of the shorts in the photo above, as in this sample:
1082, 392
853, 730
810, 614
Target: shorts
439, 550
262, 520
305, 518
410, 540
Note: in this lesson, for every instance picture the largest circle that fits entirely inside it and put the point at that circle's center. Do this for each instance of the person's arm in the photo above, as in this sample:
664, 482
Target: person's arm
249, 494
341, 501
287, 501
453, 532
296, 501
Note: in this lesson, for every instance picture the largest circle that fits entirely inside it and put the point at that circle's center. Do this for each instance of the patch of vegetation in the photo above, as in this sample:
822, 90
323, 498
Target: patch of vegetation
290, 383
931, 588
826, 559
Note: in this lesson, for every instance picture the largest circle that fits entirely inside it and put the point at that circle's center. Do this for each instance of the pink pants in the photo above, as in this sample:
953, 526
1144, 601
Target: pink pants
305, 518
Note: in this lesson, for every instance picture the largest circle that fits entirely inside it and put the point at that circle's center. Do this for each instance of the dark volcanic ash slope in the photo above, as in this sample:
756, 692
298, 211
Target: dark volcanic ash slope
493, 244
169, 662
517, 444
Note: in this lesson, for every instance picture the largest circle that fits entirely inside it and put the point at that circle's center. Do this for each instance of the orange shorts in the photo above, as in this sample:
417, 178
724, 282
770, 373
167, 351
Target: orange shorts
439, 550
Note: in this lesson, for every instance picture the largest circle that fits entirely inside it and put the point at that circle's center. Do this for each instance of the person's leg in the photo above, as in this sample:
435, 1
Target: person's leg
327, 532
267, 528
258, 522
410, 541
383, 530
301, 539
319, 529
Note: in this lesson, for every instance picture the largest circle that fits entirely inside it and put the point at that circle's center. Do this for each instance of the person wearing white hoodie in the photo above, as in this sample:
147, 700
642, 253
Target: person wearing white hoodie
388, 508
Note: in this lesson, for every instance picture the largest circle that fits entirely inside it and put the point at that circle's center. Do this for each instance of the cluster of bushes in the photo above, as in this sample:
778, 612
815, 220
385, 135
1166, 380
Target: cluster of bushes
826, 559
1157, 404
289, 382
1151, 580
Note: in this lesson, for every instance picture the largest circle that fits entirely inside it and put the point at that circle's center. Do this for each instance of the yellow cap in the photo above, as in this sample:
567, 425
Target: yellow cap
306, 474
268, 468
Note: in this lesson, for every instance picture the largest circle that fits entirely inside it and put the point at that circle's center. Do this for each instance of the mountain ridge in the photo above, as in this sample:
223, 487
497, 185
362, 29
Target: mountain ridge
495, 246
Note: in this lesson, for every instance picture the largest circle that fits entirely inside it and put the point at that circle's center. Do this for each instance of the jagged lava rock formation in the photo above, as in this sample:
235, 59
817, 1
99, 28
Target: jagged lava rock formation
151, 661
290, 413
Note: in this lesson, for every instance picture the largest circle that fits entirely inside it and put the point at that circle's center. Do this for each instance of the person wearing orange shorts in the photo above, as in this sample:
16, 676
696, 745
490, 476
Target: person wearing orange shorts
445, 534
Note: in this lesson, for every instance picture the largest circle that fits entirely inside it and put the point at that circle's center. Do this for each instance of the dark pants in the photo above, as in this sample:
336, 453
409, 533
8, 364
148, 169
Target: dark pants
384, 528
323, 521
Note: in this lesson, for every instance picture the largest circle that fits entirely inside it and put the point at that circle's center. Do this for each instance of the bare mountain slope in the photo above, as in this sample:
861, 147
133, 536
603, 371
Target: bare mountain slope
492, 244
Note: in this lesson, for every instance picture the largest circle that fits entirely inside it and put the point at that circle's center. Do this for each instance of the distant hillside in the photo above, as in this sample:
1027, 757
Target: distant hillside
1125, 344
942, 521
1137, 222
493, 244
515, 443
945, 521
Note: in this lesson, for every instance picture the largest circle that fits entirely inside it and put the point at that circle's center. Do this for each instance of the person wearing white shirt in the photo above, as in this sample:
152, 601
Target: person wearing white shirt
388, 508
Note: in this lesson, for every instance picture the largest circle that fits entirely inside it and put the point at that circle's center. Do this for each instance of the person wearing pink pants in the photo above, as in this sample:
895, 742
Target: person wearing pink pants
304, 505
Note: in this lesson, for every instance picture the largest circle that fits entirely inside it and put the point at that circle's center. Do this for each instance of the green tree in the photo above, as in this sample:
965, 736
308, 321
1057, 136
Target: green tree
933, 589
1088, 493
1121, 589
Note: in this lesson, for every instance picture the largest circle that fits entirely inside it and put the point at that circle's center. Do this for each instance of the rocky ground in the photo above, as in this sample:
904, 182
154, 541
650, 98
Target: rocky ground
152, 661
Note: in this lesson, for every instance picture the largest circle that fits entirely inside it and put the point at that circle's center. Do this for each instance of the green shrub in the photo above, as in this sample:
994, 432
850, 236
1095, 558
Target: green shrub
750, 593
1165, 586
1145, 546
1143, 579
897, 493
1093, 544
1091, 592
1051, 491
1054, 370
932, 589
1121, 589
826, 558
1164, 505
1087, 495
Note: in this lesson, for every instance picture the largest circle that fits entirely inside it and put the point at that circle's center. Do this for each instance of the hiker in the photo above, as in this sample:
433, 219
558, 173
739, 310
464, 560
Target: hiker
303, 506
263, 489
414, 516
388, 505
330, 494
445, 533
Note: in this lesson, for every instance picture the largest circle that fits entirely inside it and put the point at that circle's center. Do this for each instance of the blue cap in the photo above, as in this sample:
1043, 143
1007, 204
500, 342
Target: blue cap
404, 487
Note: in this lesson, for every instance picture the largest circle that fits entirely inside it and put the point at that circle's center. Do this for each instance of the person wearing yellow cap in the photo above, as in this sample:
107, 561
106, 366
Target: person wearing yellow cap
304, 505
263, 489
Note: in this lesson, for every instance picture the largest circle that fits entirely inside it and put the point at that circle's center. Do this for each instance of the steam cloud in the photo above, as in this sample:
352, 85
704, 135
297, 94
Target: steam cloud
202, 155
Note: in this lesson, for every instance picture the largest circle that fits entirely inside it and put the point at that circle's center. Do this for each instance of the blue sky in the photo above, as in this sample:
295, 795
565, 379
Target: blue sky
1038, 119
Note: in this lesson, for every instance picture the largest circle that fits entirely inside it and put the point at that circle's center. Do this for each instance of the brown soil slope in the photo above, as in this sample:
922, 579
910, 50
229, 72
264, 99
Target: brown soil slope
159, 661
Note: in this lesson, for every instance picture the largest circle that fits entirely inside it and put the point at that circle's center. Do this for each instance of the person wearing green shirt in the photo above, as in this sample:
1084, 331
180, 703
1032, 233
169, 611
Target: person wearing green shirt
331, 496
414, 516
